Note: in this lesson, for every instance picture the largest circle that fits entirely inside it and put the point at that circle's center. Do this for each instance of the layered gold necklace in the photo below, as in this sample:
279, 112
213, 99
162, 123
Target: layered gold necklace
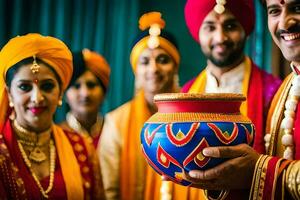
35, 142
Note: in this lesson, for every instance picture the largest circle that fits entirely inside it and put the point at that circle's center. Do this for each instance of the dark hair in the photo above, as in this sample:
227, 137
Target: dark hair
14, 69
165, 34
80, 68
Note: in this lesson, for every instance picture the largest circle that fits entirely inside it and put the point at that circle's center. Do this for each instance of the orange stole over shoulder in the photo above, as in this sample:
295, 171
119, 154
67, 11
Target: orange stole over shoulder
133, 164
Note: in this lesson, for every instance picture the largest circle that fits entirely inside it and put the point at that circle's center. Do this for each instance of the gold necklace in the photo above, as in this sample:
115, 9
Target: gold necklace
52, 168
33, 142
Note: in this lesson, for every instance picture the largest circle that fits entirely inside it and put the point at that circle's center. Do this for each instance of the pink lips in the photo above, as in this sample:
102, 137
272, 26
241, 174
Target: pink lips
37, 110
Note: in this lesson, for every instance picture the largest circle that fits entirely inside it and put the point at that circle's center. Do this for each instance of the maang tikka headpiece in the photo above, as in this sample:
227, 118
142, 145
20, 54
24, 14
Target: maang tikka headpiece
220, 6
35, 68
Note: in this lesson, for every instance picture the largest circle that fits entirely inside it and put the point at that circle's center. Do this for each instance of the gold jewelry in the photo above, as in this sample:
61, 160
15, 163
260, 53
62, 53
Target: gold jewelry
223, 194
33, 141
60, 102
35, 67
220, 6
52, 168
11, 104
288, 120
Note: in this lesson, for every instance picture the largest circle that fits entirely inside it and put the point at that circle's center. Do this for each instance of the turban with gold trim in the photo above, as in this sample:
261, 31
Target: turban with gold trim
196, 10
48, 49
165, 40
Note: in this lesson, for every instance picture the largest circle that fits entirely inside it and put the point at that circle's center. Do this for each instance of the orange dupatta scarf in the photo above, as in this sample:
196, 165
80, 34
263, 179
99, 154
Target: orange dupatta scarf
133, 165
69, 166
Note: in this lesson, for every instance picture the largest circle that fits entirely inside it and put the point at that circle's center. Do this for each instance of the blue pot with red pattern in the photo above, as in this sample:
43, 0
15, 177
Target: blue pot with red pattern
174, 137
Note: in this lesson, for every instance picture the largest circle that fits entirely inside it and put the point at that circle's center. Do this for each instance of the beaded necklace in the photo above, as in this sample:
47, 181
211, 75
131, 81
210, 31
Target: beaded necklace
287, 123
31, 139
52, 168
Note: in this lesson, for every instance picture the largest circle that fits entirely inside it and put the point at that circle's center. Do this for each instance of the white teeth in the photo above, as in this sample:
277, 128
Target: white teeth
291, 37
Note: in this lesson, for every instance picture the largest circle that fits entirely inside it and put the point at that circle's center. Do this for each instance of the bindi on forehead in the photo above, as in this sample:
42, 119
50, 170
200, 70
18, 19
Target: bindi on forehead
282, 2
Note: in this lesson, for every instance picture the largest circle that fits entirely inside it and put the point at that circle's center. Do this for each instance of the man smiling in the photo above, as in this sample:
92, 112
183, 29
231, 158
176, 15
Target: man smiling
277, 174
221, 28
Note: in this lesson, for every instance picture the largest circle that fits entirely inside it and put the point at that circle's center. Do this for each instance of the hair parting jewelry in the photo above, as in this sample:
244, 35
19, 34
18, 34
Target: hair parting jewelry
35, 67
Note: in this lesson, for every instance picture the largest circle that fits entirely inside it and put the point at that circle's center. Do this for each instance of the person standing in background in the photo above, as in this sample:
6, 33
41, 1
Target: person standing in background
155, 61
85, 95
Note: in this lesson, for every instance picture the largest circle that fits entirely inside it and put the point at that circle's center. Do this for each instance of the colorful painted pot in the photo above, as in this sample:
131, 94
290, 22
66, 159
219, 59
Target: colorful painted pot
173, 138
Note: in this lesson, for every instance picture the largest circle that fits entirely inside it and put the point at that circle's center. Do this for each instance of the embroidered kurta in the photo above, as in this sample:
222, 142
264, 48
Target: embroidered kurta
275, 177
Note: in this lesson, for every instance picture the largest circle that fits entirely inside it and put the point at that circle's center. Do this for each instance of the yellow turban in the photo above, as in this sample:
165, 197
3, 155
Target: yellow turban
49, 49
98, 65
163, 43
154, 38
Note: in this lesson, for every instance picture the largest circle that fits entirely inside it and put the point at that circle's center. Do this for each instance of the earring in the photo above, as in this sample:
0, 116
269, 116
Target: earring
12, 115
60, 102
11, 104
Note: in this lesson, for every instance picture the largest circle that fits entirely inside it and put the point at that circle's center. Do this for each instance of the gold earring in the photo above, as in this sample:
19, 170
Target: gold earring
60, 102
12, 115
11, 104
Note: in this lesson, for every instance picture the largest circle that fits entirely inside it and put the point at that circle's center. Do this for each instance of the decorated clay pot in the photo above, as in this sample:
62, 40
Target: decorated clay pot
173, 138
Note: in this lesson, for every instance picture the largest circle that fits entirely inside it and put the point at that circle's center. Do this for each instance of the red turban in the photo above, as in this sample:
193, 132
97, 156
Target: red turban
196, 10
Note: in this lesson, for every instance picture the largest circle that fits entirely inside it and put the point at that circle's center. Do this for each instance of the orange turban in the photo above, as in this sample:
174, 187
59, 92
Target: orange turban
48, 49
98, 65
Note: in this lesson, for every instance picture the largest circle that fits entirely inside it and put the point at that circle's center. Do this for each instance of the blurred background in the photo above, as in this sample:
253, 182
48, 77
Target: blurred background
110, 26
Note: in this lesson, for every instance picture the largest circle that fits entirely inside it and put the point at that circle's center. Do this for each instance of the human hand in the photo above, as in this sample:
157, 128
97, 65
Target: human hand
235, 173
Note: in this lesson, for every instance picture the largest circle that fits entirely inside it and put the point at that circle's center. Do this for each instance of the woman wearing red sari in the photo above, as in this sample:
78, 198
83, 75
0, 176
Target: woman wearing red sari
38, 160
